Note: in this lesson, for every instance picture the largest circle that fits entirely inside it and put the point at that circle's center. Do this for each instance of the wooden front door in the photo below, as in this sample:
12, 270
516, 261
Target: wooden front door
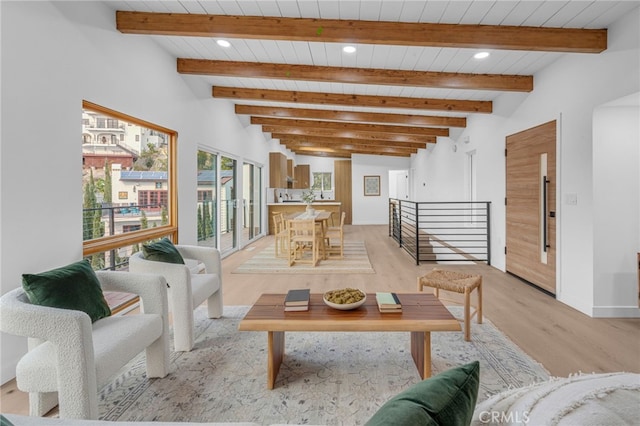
531, 205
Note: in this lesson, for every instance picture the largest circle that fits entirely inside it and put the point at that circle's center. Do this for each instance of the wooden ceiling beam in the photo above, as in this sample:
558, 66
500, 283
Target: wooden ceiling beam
320, 140
359, 127
351, 116
541, 39
352, 100
333, 151
324, 154
332, 133
392, 77
349, 147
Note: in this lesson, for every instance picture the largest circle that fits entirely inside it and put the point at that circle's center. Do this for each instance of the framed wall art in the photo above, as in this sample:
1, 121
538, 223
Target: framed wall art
372, 185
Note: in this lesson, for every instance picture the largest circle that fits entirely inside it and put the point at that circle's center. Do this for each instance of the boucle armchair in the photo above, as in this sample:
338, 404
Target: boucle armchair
69, 357
189, 286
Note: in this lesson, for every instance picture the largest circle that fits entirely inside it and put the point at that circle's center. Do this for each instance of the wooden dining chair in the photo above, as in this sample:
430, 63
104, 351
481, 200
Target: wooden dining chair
335, 233
281, 234
303, 238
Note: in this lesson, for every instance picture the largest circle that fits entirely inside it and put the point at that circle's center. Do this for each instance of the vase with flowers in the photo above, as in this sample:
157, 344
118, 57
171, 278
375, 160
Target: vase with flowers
309, 197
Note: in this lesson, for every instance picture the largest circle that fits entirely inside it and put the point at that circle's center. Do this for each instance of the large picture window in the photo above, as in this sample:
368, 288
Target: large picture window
128, 183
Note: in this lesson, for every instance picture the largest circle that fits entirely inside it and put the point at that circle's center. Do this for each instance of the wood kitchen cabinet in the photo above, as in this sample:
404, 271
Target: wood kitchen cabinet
290, 168
277, 170
301, 176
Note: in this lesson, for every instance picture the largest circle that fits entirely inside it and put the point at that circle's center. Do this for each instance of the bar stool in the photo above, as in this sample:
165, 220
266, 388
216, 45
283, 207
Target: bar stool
456, 282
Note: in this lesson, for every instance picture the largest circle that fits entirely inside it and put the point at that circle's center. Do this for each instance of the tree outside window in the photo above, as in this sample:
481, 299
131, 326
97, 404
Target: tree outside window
321, 181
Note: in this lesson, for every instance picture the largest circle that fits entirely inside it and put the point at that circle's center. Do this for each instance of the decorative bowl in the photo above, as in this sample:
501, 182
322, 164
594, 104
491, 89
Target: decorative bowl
344, 306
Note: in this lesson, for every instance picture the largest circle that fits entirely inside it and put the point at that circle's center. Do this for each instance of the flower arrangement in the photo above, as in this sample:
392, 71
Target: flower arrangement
308, 196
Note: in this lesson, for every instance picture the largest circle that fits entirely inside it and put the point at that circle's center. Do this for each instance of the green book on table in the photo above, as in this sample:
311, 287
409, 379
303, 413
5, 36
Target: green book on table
388, 300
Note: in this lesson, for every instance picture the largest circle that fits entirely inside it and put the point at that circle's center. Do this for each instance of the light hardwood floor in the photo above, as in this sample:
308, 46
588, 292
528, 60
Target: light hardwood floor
564, 340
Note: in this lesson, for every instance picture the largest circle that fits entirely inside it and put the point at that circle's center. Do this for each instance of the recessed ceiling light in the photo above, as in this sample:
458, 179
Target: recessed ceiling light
481, 55
223, 43
349, 49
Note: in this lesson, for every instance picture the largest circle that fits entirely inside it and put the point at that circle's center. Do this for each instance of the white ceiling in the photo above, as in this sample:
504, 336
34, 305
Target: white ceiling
569, 14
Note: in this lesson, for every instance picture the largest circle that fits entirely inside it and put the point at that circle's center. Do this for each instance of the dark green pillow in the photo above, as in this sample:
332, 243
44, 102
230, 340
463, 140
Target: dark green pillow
74, 286
162, 251
5, 421
446, 399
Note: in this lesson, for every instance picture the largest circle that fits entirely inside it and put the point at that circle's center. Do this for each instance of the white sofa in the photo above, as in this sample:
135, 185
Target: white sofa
190, 284
583, 399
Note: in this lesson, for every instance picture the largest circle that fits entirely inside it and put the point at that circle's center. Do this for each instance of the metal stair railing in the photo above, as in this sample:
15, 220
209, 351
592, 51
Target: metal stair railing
442, 231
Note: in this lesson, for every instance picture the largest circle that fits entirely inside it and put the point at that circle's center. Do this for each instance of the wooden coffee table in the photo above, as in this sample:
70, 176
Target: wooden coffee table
421, 314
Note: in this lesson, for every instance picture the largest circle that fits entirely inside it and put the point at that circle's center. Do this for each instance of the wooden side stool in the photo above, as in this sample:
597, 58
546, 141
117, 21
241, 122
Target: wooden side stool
456, 282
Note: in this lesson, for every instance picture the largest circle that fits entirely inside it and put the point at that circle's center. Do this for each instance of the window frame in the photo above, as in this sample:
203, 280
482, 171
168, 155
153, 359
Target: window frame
170, 230
322, 188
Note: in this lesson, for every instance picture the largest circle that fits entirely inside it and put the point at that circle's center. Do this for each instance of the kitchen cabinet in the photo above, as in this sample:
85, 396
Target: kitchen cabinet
277, 170
290, 168
301, 177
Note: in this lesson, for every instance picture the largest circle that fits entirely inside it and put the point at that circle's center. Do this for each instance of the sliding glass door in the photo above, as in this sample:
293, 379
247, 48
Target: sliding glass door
221, 215
228, 205
251, 202
216, 201
207, 201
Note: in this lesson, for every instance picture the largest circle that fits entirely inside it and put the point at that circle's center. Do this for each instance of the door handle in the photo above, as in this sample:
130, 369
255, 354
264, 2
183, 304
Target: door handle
545, 239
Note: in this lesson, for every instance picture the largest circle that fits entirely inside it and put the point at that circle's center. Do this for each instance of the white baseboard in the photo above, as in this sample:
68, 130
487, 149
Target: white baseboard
616, 312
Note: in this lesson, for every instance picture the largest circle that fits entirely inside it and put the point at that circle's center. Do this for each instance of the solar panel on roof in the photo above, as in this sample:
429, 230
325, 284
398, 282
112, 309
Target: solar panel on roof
143, 175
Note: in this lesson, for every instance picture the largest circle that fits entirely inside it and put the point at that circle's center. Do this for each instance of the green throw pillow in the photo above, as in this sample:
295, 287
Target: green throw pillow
74, 286
162, 251
5, 421
446, 399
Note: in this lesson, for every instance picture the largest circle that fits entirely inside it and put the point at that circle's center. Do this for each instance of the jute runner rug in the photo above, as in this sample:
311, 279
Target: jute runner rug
326, 378
355, 261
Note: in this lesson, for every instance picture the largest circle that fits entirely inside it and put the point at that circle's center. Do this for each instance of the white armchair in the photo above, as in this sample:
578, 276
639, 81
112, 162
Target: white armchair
189, 286
69, 358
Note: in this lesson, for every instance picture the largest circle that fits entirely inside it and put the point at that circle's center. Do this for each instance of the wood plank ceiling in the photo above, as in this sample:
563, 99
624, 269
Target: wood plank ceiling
412, 78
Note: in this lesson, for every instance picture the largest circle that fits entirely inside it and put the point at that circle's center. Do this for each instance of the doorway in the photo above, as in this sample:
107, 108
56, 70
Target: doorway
399, 184
531, 206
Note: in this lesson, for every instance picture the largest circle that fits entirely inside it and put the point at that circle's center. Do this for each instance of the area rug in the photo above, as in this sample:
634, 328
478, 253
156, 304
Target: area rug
326, 378
355, 261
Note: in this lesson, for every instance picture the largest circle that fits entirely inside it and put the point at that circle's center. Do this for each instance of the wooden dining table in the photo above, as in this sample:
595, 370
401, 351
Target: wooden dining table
319, 216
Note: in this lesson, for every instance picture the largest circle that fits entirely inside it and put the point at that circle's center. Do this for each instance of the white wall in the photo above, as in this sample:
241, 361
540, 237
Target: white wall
439, 172
616, 216
372, 210
54, 55
568, 91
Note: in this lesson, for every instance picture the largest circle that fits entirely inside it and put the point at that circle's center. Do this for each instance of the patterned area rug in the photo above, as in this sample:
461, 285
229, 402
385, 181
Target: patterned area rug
356, 261
326, 378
